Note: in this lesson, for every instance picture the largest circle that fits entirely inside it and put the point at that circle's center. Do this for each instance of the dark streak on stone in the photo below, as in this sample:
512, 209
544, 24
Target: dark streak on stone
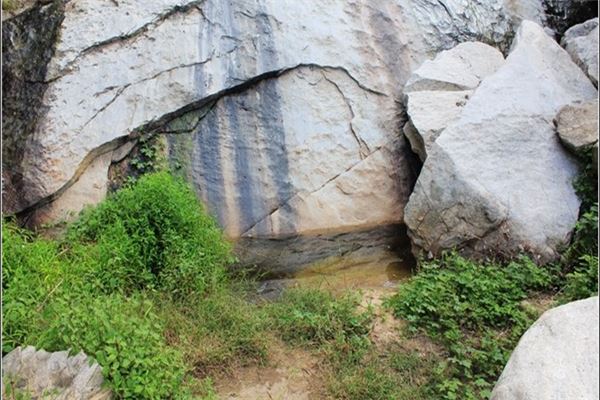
28, 43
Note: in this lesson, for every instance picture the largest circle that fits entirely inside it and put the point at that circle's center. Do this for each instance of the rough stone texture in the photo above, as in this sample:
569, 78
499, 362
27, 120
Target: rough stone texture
577, 125
67, 378
438, 90
557, 358
497, 179
124, 67
27, 45
581, 42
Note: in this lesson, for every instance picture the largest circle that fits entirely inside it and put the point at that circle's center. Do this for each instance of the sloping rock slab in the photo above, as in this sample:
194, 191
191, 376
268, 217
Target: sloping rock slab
557, 358
497, 180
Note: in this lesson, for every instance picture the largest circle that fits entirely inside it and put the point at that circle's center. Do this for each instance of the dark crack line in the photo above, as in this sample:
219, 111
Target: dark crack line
179, 9
363, 148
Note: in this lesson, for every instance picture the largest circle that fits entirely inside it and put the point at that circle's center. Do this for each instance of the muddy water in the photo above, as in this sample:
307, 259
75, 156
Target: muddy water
366, 259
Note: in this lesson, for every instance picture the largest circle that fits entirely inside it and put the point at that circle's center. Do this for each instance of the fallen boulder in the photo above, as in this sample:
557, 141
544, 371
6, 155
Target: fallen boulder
38, 372
497, 179
577, 125
438, 90
557, 358
581, 42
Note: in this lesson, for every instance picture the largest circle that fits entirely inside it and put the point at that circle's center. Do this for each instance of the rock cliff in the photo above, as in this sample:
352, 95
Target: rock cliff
286, 119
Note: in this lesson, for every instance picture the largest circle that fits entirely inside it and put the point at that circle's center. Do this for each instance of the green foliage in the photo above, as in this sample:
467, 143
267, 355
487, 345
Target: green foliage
155, 234
312, 316
149, 156
583, 281
475, 311
90, 291
124, 335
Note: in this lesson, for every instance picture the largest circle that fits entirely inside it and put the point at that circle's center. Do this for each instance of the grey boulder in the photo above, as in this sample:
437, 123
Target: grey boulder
497, 180
557, 358
438, 90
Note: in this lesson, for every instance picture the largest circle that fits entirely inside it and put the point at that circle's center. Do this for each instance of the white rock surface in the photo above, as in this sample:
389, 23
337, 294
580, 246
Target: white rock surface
581, 42
121, 65
438, 90
577, 125
39, 372
497, 179
557, 358
460, 68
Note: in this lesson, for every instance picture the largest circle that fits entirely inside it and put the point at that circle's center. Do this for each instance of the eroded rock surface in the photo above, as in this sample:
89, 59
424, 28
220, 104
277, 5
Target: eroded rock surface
438, 90
581, 42
557, 358
497, 179
577, 125
42, 374
125, 68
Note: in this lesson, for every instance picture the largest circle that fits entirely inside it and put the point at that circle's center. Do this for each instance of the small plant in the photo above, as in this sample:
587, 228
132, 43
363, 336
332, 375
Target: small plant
475, 312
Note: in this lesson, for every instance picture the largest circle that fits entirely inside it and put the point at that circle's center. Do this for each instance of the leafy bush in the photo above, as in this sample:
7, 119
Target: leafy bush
124, 336
316, 317
155, 234
475, 311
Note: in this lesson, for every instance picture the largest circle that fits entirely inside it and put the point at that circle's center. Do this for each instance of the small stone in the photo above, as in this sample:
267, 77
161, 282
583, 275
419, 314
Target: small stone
577, 125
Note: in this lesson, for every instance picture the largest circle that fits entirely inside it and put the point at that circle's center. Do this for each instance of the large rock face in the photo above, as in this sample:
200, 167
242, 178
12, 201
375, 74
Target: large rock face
290, 114
38, 373
557, 358
497, 179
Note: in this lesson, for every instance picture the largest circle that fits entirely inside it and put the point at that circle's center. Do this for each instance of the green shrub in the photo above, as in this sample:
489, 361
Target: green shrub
124, 336
315, 317
155, 234
473, 310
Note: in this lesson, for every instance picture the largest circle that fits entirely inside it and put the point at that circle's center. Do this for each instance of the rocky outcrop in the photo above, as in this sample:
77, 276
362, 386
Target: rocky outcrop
438, 90
577, 125
581, 42
497, 179
230, 75
557, 358
41, 374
